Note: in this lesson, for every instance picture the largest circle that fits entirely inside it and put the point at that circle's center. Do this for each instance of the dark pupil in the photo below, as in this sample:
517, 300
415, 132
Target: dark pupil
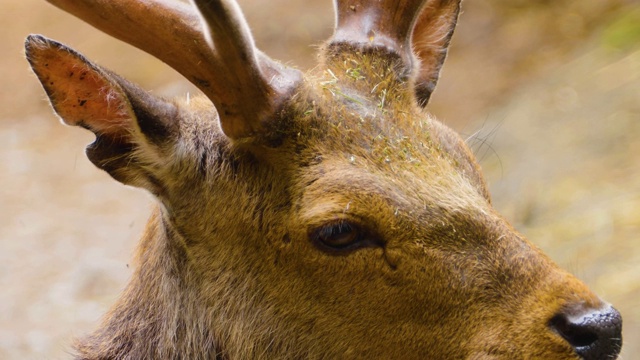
338, 235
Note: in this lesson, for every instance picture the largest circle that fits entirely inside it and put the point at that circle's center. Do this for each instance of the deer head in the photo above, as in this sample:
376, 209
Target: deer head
318, 215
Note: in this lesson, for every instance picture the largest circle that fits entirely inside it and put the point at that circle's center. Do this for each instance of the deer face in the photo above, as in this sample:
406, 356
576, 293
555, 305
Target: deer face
329, 215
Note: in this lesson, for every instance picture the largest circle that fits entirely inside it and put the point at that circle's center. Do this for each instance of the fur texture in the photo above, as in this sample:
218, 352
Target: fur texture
354, 225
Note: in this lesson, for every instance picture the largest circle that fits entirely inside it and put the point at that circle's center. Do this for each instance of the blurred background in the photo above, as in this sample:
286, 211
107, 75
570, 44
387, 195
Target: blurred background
546, 92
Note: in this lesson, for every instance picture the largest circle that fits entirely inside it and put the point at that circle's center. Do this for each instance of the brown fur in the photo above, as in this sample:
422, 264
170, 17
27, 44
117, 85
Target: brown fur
229, 266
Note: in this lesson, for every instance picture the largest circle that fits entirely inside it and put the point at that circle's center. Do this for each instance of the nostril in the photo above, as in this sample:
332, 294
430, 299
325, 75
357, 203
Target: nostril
594, 334
575, 334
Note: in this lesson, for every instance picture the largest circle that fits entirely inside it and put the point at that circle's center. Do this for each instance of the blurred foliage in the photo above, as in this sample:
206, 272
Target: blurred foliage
623, 32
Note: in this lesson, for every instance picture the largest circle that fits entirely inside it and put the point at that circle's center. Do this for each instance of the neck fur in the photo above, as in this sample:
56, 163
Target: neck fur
157, 315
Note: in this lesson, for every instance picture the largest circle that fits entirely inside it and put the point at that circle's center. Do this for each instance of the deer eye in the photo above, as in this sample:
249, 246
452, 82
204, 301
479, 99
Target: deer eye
339, 235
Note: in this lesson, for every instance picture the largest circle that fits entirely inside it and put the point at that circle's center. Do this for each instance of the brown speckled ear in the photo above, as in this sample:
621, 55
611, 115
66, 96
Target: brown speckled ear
80, 92
127, 121
430, 41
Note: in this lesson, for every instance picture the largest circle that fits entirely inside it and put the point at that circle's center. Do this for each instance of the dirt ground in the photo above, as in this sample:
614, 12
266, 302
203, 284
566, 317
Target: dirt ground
547, 93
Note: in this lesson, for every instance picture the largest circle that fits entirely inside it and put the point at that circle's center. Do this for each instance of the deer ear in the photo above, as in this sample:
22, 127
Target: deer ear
130, 125
431, 36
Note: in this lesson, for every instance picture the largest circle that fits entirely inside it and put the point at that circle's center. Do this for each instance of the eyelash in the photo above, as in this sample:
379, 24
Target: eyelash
341, 236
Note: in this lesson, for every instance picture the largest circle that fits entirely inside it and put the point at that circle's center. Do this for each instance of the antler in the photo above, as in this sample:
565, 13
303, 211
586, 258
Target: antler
412, 29
384, 23
245, 86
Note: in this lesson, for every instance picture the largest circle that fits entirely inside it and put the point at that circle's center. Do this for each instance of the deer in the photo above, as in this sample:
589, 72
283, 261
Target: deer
317, 215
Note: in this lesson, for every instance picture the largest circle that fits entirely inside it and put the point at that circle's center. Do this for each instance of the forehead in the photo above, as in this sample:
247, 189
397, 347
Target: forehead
425, 183
377, 125
378, 118
397, 157
357, 119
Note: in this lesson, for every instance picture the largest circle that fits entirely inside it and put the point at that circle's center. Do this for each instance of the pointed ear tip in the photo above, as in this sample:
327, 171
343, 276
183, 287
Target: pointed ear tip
35, 43
40, 42
38, 47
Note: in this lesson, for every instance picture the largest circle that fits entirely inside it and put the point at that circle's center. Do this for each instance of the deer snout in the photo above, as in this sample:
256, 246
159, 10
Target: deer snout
593, 333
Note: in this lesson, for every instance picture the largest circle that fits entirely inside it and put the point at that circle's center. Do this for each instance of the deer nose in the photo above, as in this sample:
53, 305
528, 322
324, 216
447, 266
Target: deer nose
594, 334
